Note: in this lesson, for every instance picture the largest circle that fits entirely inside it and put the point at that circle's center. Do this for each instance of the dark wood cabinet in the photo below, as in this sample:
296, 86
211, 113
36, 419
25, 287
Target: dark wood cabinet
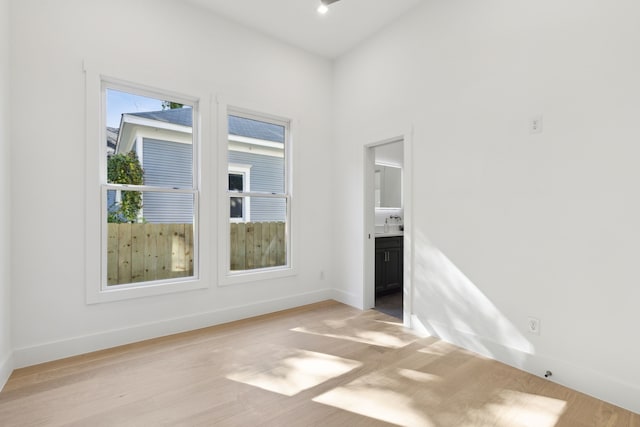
389, 267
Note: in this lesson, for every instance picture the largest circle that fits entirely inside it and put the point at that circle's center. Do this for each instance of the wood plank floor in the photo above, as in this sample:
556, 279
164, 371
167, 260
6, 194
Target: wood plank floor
321, 365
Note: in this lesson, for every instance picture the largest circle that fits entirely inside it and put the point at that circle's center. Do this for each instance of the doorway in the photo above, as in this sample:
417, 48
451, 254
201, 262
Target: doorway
385, 222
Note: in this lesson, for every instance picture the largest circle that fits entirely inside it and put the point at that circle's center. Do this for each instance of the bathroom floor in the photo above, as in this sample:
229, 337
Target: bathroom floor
390, 304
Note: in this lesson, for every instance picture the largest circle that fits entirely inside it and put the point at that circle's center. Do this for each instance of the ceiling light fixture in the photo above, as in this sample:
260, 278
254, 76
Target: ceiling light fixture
324, 6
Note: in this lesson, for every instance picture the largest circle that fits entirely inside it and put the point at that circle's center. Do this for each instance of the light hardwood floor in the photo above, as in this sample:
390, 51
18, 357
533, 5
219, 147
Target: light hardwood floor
321, 365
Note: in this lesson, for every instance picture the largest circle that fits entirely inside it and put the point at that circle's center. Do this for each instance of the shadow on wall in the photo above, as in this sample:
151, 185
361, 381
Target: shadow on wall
451, 306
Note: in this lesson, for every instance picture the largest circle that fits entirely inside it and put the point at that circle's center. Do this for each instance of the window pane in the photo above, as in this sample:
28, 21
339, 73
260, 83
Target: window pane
150, 233
166, 159
235, 182
259, 243
147, 249
237, 208
261, 145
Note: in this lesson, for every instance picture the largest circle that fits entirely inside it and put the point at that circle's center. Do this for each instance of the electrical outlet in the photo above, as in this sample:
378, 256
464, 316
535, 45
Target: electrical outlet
321, 274
533, 326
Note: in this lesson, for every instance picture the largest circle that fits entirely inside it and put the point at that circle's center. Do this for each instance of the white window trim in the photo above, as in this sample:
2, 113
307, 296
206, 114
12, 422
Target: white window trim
245, 170
95, 192
225, 276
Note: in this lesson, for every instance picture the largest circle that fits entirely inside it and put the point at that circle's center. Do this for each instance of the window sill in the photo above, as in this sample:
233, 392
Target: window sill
121, 293
249, 276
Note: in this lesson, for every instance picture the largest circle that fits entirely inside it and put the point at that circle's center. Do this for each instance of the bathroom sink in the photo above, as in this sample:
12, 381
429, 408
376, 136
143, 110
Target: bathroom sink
389, 233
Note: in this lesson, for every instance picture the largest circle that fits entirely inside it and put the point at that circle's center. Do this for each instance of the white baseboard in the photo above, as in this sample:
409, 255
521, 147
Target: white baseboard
6, 368
348, 298
570, 375
46, 352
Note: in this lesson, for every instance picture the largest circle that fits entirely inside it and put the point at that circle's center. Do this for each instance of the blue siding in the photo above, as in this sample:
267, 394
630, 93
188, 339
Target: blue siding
168, 164
111, 201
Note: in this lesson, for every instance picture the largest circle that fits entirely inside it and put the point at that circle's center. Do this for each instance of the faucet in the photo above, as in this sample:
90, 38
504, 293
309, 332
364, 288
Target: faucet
396, 221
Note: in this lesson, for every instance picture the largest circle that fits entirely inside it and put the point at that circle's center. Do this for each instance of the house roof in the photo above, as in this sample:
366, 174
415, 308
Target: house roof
249, 128
239, 126
176, 116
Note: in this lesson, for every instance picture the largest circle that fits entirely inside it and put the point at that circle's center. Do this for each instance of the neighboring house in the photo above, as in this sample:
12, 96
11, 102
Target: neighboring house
112, 140
163, 143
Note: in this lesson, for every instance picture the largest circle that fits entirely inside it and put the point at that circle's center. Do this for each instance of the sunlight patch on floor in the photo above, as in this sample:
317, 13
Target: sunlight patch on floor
418, 376
387, 396
439, 348
518, 409
363, 336
398, 325
335, 323
295, 372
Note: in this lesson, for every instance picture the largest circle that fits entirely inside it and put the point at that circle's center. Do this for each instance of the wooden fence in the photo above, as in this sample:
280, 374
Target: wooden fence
257, 245
146, 252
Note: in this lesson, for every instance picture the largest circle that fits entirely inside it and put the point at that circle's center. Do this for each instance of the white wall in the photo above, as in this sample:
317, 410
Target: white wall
509, 224
173, 46
6, 364
392, 154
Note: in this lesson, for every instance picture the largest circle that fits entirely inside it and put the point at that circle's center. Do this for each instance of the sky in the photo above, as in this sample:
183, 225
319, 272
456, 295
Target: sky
123, 102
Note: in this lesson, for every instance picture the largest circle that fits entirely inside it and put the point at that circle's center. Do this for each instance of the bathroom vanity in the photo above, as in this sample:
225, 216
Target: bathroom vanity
389, 262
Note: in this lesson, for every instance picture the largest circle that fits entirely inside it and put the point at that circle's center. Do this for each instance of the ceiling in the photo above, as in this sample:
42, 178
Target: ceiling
297, 22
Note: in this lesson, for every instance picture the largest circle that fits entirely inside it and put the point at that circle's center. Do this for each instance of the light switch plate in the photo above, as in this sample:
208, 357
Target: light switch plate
535, 124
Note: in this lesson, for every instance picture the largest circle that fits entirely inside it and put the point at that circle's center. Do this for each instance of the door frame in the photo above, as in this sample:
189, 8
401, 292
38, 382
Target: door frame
369, 223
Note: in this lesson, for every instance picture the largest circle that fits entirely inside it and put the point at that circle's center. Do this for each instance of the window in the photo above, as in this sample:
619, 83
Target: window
240, 181
148, 190
236, 183
258, 194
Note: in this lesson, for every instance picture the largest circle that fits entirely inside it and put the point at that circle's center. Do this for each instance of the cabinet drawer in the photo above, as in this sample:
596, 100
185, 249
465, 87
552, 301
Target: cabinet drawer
388, 242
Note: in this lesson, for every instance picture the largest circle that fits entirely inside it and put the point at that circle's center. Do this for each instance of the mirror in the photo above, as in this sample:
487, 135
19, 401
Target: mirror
388, 186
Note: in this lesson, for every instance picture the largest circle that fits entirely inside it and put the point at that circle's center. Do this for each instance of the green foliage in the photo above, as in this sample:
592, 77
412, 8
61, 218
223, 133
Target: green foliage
125, 169
170, 105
